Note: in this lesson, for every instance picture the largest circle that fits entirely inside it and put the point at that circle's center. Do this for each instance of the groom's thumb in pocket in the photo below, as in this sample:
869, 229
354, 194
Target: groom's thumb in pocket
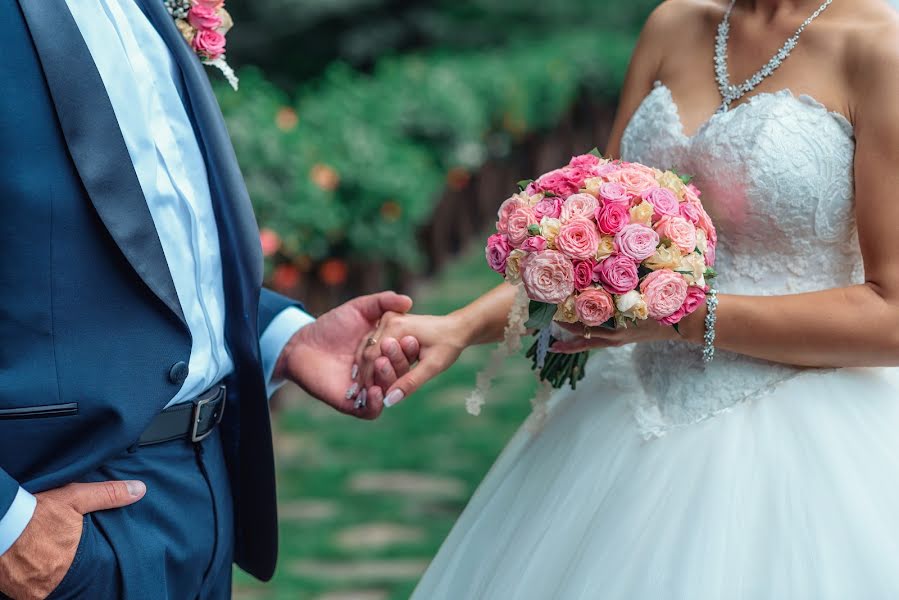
91, 497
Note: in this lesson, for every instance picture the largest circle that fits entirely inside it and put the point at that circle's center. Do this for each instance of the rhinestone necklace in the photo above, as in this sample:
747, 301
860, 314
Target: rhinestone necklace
730, 92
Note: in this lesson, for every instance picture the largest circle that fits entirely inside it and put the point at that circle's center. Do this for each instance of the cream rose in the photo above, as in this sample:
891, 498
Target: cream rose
665, 257
606, 247
566, 312
642, 213
631, 305
513, 266
579, 206
672, 182
692, 267
549, 229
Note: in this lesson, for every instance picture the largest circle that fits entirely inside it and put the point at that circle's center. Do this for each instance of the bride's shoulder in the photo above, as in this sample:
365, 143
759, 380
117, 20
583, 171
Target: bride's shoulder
872, 46
684, 16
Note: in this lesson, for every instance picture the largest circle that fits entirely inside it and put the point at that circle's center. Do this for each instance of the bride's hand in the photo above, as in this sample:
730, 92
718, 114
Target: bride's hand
604, 337
441, 341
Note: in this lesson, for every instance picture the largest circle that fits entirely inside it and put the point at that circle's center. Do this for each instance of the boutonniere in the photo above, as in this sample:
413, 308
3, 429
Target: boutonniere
204, 24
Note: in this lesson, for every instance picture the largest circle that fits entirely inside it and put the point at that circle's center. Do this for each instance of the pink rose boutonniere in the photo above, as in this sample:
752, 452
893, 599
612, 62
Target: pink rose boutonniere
204, 25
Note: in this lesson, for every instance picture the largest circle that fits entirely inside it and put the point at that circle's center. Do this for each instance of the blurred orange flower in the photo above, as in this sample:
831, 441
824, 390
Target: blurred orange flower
391, 211
458, 179
333, 271
286, 119
286, 277
324, 177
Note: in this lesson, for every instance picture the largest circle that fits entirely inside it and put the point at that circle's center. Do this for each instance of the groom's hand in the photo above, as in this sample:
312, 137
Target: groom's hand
320, 357
38, 561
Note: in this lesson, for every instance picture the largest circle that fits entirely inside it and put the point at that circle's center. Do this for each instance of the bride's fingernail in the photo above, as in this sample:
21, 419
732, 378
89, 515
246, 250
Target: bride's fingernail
394, 397
352, 391
355, 372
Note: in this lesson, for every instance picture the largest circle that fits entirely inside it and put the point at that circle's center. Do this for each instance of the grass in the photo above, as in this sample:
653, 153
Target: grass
364, 506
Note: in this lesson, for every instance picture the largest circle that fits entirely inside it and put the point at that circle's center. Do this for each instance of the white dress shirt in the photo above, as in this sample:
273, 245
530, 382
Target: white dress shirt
139, 73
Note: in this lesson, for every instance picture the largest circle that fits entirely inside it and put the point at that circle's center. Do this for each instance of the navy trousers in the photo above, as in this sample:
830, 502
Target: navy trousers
175, 543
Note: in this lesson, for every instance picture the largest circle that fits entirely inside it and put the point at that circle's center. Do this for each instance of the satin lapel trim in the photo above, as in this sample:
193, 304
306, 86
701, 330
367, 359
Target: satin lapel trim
96, 144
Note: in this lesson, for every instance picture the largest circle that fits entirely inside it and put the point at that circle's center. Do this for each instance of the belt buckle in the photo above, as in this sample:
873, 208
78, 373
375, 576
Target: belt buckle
198, 408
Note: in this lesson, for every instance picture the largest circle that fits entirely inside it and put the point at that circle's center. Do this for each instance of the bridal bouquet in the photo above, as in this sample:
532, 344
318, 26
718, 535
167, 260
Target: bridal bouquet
606, 244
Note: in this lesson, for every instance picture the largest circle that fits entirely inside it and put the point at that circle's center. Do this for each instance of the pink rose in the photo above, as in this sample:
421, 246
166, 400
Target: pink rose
519, 222
692, 193
583, 273
548, 207
690, 212
579, 206
594, 307
612, 217
506, 210
618, 274
614, 192
578, 239
710, 253
498, 250
605, 169
664, 292
584, 161
663, 201
680, 231
204, 17
559, 182
705, 223
636, 179
216, 4
534, 244
209, 43
547, 276
636, 241
695, 298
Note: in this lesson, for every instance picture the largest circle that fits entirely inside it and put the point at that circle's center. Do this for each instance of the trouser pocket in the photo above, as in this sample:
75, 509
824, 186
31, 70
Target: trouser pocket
94, 571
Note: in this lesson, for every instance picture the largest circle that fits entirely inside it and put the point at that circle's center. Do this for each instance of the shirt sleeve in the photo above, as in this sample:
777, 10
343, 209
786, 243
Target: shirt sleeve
16, 519
275, 337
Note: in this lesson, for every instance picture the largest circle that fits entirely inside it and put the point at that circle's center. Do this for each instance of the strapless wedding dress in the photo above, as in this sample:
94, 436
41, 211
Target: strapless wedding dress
661, 478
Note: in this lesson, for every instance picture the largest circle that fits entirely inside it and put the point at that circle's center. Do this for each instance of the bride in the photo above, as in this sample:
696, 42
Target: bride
773, 471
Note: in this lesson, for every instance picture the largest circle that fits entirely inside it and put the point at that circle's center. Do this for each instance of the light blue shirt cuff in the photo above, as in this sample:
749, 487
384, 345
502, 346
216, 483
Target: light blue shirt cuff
16, 519
275, 337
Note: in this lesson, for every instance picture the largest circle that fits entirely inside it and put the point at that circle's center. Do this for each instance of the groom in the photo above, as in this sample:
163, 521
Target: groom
136, 346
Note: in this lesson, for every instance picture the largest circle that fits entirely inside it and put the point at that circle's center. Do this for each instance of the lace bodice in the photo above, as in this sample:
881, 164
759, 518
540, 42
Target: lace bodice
776, 176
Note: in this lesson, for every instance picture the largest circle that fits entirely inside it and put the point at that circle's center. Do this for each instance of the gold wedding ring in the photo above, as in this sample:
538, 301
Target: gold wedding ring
371, 342
587, 333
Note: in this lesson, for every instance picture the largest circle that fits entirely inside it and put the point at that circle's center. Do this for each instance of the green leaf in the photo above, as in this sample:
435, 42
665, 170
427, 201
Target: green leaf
595, 152
686, 178
524, 183
540, 315
676, 327
534, 229
710, 273
549, 194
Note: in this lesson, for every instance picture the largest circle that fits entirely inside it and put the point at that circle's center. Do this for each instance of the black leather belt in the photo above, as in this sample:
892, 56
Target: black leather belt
192, 421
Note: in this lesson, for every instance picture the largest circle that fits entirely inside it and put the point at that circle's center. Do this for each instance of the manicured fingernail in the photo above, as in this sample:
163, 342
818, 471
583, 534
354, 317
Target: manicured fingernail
136, 488
385, 370
394, 397
362, 400
355, 372
354, 389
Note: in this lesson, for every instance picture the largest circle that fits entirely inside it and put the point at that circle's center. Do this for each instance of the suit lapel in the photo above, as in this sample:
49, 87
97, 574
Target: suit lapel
96, 144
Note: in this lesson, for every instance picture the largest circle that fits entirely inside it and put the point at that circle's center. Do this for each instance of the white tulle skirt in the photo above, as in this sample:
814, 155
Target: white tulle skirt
793, 495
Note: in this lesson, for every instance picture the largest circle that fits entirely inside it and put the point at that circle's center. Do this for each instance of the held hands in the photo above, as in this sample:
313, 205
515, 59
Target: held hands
320, 357
441, 341
38, 561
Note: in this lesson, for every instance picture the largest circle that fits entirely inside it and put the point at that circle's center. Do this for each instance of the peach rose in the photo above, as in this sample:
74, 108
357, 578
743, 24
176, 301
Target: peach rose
664, 292
505, 211
547, 276
594, 307
679, 231
695, 298
635, 180
520, 221
579, 206
578, 239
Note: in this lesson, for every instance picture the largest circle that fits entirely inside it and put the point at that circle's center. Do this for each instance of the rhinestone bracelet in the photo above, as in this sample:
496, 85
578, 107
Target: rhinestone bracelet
711, 302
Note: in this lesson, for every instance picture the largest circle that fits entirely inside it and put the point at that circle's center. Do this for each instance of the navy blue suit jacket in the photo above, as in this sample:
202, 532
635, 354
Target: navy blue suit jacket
90, 324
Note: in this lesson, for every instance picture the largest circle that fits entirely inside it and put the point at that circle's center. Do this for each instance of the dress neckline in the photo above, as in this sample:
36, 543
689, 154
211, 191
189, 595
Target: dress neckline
754, 100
